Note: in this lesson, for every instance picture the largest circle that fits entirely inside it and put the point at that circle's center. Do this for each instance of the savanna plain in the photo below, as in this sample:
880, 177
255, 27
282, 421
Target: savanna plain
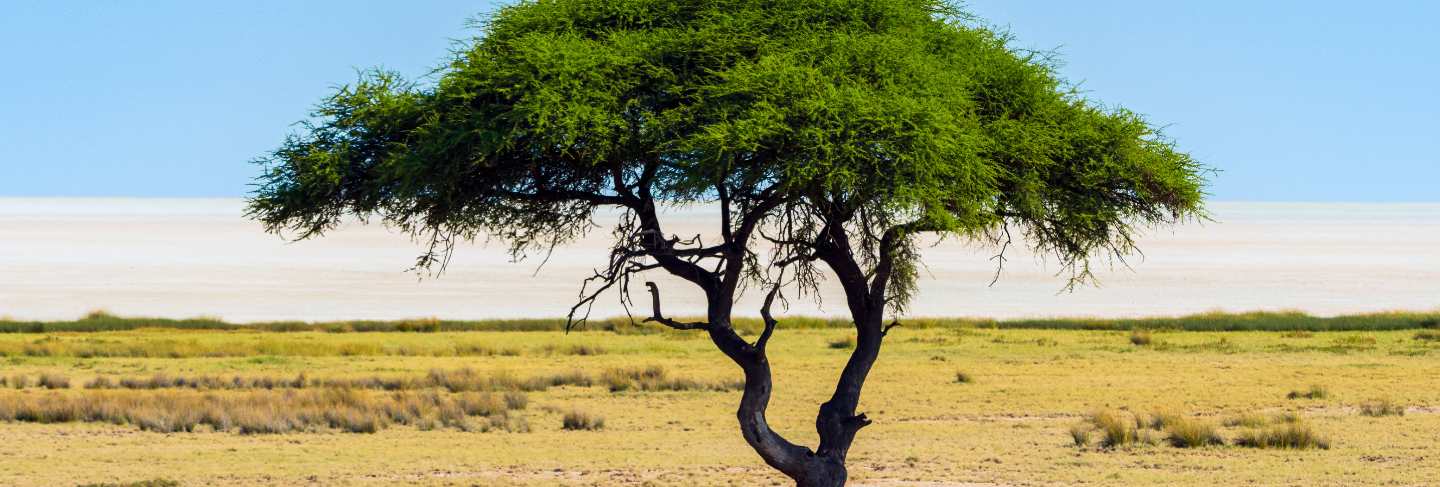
1260, 399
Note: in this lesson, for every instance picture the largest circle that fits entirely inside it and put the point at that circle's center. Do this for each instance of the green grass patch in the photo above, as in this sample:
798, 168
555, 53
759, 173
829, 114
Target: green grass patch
1255, 321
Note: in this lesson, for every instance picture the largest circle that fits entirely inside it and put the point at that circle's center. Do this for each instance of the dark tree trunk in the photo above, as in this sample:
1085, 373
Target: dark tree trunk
837, 423
779, 453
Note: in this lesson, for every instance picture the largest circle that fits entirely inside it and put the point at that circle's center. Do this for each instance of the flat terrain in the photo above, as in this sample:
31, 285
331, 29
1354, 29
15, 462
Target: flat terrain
667, 402
188, 257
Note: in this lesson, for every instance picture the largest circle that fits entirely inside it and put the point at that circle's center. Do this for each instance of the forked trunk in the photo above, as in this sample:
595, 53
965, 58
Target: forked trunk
836, 423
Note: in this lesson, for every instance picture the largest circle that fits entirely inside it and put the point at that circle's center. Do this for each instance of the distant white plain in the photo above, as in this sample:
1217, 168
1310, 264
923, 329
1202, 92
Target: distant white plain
60, 258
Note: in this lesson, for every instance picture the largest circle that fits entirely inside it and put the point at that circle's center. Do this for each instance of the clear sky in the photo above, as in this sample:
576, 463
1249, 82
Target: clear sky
1291, 100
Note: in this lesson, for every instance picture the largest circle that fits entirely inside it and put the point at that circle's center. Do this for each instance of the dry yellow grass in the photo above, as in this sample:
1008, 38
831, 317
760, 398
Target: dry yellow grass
1011, 428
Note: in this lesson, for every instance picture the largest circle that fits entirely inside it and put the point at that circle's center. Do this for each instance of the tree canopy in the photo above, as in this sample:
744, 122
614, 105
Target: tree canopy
838, 130
899, 109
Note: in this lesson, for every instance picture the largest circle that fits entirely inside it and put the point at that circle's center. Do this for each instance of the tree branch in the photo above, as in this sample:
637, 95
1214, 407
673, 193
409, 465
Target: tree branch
659, 318
558, 196
724, 194
770, 321
886, 331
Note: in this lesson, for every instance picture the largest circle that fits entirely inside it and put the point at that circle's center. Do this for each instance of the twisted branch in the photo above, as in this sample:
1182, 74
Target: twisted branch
770, 321
661, 319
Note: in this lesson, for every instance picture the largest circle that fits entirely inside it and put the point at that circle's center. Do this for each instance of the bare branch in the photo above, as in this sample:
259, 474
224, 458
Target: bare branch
658, 317
724, 194
893, 324
587, 301
770, 321
1000, 258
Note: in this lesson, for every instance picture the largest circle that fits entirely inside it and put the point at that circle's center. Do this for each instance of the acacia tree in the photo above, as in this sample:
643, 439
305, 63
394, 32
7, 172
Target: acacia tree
840, 131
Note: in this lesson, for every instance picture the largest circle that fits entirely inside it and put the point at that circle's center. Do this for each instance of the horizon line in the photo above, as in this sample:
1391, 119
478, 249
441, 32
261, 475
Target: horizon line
223, 198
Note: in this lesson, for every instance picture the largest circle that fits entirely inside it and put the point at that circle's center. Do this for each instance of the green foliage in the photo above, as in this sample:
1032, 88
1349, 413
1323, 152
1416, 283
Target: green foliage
906, 115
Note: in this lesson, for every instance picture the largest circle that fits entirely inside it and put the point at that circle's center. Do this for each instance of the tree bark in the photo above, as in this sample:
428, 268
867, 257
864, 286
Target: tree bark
774, 449
836, 421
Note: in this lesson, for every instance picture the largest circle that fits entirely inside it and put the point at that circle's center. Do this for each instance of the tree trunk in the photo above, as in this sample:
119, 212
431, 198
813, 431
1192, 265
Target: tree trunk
779, 453
824, 472
836, 422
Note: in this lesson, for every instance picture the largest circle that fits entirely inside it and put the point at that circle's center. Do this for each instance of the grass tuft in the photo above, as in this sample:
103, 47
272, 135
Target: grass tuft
1381, 408
846, 343
962, 377
142, 483
15, 381
1192, 433
1080, 434
1119, 429
1428, 335
656, 378
1292, 436
1248, 420
516, 400
1161, 419
53, 381
577, 420
1314, 392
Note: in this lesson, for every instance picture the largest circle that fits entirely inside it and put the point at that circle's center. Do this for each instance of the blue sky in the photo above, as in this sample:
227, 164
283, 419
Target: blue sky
1291, 100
